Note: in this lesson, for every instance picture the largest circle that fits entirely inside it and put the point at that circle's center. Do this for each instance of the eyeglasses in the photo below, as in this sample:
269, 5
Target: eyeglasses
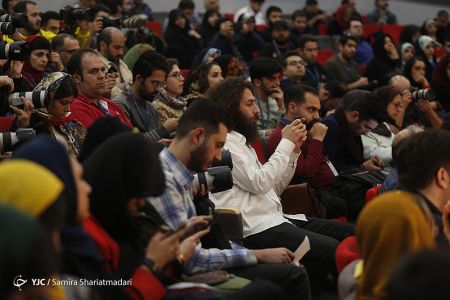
398, 105
158, 84
176, 75
296, 63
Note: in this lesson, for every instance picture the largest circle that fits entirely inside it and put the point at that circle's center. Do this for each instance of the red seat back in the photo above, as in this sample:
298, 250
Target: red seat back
373, 192
394, 31
155, 27
346, 252
185, 73
439, 52
261, 27
324, 55
6, 123
323, 28
370, 29
260, 151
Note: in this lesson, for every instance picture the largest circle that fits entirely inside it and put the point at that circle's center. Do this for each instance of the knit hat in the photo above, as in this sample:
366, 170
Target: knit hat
36, 42
406, 46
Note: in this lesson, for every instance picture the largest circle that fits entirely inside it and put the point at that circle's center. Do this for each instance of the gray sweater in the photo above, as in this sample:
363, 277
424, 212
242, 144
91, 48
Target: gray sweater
142, 115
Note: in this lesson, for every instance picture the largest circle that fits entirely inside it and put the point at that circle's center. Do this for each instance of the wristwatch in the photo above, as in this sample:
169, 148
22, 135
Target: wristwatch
151, 264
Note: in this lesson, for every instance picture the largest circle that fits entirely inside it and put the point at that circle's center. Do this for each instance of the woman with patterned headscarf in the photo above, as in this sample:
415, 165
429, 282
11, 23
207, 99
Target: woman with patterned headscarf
55, 118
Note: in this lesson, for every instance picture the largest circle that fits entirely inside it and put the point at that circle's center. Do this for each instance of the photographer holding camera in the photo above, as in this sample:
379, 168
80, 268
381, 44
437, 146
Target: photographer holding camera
31, 10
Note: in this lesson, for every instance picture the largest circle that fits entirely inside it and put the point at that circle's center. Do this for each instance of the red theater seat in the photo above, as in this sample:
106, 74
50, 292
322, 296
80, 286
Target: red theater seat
155, 27
346, 252
324, 55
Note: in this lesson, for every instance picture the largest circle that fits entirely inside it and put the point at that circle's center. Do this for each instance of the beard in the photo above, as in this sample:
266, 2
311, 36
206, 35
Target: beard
197, 162
247, 127
31, 29
145, 95
310, 124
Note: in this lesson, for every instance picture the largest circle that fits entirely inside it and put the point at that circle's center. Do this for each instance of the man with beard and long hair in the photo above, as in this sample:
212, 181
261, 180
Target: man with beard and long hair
199, 140
149, 75
256, 186
111, 45
32, 11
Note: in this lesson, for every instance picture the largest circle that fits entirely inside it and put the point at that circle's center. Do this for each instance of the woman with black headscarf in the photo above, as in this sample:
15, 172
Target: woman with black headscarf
123, 171
80, 257
386, 62
182, 41
209, 26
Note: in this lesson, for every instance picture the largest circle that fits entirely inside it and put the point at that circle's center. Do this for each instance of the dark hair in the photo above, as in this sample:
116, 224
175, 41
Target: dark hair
171, 62
280, 25
296, 93
440, 74
287, 55
407, 34
336, 88
420, 275
49, 15
186, 4
347, 37
366, 104
407, 69
445, 39
200, 75
272, 9
227, 94
106, 36
21, 6
306, 39
202, 113
58, 41
298, 13
74, 63
100, 131
387, 94
174, 14
263, 67
67, 88
112, 5
148, 62
98, 7
420, 157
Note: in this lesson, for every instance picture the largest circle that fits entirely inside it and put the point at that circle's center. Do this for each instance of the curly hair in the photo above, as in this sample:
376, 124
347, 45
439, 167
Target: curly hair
228, 95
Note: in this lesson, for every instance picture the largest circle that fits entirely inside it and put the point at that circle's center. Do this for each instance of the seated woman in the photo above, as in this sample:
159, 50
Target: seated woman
407, 52
378, 142
28, 74
386, 62
206, 76
209, 26
389, 227
415, 71
56, 118
169, 103
441, 82
425, 48
230, 65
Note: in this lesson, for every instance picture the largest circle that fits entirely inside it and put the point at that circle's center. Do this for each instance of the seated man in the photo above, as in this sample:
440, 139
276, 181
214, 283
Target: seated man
256, 187
342, 66
279, 43
89, 73
302, 102
381, 14
199, 140
364, 51
309, 50
423, 162
252, 9
360, 113
266, 74
273, 14
293, 70
149, 75
111, 44
330, 95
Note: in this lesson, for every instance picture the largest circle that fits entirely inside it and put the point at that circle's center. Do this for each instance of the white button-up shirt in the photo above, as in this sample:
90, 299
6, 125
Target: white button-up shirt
257, 187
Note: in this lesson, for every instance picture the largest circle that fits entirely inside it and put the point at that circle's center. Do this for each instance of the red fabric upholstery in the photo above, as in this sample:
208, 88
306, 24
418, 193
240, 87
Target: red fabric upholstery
373, 192
370, 29
185, 73
229, 16
155, 27
341, 219
393, 30
439, 52
323, 29
6, 123
324, 55
261, 27
346, 252
260, 152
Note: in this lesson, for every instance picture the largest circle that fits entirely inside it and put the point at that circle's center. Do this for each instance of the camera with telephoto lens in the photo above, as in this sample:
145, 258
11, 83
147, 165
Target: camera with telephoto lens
72, 14
111, 22
18, 20
218, 178
136, 21
7, 28
9, 139
422, 94
40, 99
15, 51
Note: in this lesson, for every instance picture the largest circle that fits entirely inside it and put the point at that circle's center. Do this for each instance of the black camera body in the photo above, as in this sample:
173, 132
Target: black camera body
111, 22
18, 20
72, 14
40, 99
15, 51
218, 178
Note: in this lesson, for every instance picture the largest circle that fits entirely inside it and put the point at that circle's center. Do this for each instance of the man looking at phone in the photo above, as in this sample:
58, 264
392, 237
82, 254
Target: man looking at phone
149, 75
199, 140
111, 44
256, 186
